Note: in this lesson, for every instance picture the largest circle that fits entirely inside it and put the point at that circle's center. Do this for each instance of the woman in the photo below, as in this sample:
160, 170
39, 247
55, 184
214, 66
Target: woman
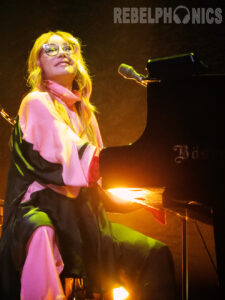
54, 221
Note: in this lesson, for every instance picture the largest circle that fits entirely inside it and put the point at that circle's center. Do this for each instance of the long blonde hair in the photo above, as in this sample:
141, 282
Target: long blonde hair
82, 79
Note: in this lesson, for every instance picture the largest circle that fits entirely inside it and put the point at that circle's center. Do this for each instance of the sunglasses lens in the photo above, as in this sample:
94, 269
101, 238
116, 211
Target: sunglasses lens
51, 49
68, 48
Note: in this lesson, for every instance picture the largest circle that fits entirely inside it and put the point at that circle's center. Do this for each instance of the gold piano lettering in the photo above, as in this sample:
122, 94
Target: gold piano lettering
183, 153
195, 153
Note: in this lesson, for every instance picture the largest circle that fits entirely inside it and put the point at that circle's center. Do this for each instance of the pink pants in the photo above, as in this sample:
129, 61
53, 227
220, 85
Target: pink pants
43, 264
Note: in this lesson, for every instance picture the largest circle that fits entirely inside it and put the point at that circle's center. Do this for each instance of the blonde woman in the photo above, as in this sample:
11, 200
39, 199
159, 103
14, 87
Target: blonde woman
54, 224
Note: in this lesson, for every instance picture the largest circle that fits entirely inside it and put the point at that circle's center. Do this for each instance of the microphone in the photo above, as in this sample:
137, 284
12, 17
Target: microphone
128, 72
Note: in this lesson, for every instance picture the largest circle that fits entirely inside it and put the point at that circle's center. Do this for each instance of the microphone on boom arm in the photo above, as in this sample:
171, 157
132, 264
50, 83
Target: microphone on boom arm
128, 72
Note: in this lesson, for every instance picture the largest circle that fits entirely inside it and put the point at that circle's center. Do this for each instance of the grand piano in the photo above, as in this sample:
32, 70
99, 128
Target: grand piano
182, 148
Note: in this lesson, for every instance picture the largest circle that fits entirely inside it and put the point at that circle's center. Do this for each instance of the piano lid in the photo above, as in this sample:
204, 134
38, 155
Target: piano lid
182, 147
183, 65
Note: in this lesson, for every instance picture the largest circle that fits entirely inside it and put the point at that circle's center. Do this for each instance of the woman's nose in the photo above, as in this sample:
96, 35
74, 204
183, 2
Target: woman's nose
62, 52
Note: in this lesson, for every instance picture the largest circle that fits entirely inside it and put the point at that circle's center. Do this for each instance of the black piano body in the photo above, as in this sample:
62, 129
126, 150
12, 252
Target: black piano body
183, 145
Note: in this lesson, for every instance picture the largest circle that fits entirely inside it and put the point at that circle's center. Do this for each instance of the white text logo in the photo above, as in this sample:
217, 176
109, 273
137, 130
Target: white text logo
167, 15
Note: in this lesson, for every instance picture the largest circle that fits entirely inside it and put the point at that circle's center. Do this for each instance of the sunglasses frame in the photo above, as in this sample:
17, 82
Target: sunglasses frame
71, 51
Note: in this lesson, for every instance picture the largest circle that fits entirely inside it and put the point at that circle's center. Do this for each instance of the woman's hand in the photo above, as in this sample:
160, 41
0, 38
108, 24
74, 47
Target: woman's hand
113, 203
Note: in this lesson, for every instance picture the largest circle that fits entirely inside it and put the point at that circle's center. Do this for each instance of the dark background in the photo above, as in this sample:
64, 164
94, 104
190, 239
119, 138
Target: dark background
121, 104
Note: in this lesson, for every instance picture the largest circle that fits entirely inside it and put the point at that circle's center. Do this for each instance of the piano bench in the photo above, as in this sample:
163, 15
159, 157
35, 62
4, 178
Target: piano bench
76, 288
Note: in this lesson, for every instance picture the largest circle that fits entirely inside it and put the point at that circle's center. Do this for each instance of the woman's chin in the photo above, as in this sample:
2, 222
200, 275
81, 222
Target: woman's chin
70, 69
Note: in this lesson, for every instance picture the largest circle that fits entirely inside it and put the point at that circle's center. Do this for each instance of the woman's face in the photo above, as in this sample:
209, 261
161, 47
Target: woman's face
57, 60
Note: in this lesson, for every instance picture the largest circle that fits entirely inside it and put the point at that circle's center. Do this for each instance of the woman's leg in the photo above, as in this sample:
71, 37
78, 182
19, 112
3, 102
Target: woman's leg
145, 264
43, 264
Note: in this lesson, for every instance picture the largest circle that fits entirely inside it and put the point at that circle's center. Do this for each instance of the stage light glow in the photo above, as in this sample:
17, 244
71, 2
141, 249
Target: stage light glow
131, 194
120, 293
150, 199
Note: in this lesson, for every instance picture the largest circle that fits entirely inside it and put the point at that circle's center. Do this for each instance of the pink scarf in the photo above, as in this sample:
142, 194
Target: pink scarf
63, 93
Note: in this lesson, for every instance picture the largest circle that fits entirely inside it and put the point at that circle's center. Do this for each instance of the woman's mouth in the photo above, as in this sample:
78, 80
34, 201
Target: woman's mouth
63, 62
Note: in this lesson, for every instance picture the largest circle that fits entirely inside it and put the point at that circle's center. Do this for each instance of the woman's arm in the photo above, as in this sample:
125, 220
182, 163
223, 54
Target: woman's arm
47, 148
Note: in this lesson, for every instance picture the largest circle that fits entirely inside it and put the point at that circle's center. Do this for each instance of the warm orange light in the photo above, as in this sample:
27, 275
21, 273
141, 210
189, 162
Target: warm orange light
120, 293
147, 197
131, 194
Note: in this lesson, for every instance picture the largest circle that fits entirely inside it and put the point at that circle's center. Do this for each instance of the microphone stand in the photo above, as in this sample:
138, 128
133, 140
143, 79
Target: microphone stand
4, 114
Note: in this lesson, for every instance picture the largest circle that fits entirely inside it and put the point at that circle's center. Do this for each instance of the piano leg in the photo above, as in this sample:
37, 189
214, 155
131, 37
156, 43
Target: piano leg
219, 234
184, 258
